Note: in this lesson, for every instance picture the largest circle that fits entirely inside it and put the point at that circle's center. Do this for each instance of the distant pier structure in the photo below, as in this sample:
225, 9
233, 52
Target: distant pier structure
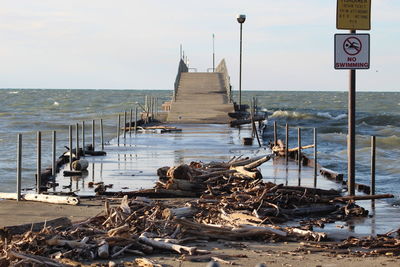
201, 97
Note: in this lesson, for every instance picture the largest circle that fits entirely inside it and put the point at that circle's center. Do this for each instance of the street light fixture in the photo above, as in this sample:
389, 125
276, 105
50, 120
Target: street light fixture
241, 19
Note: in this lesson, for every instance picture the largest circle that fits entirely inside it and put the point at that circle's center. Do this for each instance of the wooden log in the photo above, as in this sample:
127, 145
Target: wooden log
302, 147
103, 250
184, 185
80, 165
242, 162
144, 262
257, 163
95, 153
168, 246
331, 174
61, 222
56, 241
185, 212
367, 197
252, 174
214, 174
311, 190
40, 260
317, 236
260, 229
118, 230
68, 200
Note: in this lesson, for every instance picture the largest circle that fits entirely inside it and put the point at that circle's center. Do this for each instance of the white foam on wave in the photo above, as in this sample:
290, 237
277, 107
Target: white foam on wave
290, 114
56, 103
13, 92
329, 116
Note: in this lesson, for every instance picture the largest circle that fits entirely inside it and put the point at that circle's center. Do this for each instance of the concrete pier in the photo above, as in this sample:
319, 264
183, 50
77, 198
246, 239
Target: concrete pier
202, 97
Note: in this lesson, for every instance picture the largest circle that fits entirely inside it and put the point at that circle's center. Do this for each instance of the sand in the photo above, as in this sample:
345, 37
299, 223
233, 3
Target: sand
271, 254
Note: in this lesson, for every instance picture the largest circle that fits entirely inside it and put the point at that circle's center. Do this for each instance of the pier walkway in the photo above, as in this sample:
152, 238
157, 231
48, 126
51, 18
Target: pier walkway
201, 97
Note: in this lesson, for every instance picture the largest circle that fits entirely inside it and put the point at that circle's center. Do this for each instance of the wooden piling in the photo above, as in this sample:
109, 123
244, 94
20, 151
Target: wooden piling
38, 160
70, 147
77, 141
373, 158
93, 135
287, 145
19, 165
130, 123
315, 158
299, 145
125, 126
102, 134
136, 119
118, 127
83, 138
54, 154
275, 134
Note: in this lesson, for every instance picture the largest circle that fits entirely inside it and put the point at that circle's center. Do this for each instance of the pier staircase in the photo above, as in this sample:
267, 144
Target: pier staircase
201, 97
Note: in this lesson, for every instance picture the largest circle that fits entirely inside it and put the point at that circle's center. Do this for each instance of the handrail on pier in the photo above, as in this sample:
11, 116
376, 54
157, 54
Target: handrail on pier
182, 68
227, 83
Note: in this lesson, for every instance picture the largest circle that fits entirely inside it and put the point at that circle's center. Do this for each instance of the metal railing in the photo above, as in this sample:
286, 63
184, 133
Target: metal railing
182, 68
227, 83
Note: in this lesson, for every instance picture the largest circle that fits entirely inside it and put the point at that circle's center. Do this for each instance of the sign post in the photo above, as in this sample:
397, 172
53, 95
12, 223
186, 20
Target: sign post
352, 15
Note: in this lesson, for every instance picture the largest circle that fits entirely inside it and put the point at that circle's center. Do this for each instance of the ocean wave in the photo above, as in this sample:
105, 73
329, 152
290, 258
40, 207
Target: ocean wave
56, 103
327, 115
291, 115
13, 92
381, 120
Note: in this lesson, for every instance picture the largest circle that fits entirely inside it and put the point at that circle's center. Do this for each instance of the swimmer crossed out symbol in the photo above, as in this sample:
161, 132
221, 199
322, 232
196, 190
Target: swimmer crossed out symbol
352, 46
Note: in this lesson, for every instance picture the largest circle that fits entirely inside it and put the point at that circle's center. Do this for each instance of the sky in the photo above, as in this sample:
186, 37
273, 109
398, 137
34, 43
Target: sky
132, 44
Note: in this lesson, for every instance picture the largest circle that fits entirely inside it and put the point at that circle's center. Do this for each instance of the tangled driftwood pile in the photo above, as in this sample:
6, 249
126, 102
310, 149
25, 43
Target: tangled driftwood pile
234, 204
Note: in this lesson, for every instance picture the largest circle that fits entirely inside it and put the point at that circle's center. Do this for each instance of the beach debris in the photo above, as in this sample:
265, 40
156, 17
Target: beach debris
47, 198
231, 203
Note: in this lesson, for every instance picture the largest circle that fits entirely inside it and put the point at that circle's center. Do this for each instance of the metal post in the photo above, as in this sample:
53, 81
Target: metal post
287, 144
130, 123
83, 138
373, 158
102, 134
118, 128
53, 165
93, 135
19, 165
136, 118
275, 134
213, 39
351, 142
70, 147
240, 69
299, 145
315, 158
77, 141
39, 161
124, 126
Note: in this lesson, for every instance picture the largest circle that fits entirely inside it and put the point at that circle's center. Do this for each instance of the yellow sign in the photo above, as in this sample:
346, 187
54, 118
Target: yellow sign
353, 14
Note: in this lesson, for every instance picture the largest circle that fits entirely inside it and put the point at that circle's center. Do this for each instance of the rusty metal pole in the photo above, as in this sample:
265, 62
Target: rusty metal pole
287, 145
130, 123
83, 138
38, 161
125, 126
373, 158
118, 128
70, 146
102, 134
351, 139
93, 135
299, 146
77, 141
315, 158
19, 166
54, 148
275, 134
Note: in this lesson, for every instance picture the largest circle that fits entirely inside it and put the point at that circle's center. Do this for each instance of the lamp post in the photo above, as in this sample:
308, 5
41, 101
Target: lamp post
241, 19
213, 38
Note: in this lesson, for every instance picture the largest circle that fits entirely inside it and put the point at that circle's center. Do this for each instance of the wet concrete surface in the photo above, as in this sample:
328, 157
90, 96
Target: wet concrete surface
133, 165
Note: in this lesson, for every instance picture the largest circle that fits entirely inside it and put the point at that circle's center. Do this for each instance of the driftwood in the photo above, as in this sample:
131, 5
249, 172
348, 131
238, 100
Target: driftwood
168, 246
103, 250
331, 174
43, 198
179, 212
317, 236
347, 198
35, 227
144, 262
80, 165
